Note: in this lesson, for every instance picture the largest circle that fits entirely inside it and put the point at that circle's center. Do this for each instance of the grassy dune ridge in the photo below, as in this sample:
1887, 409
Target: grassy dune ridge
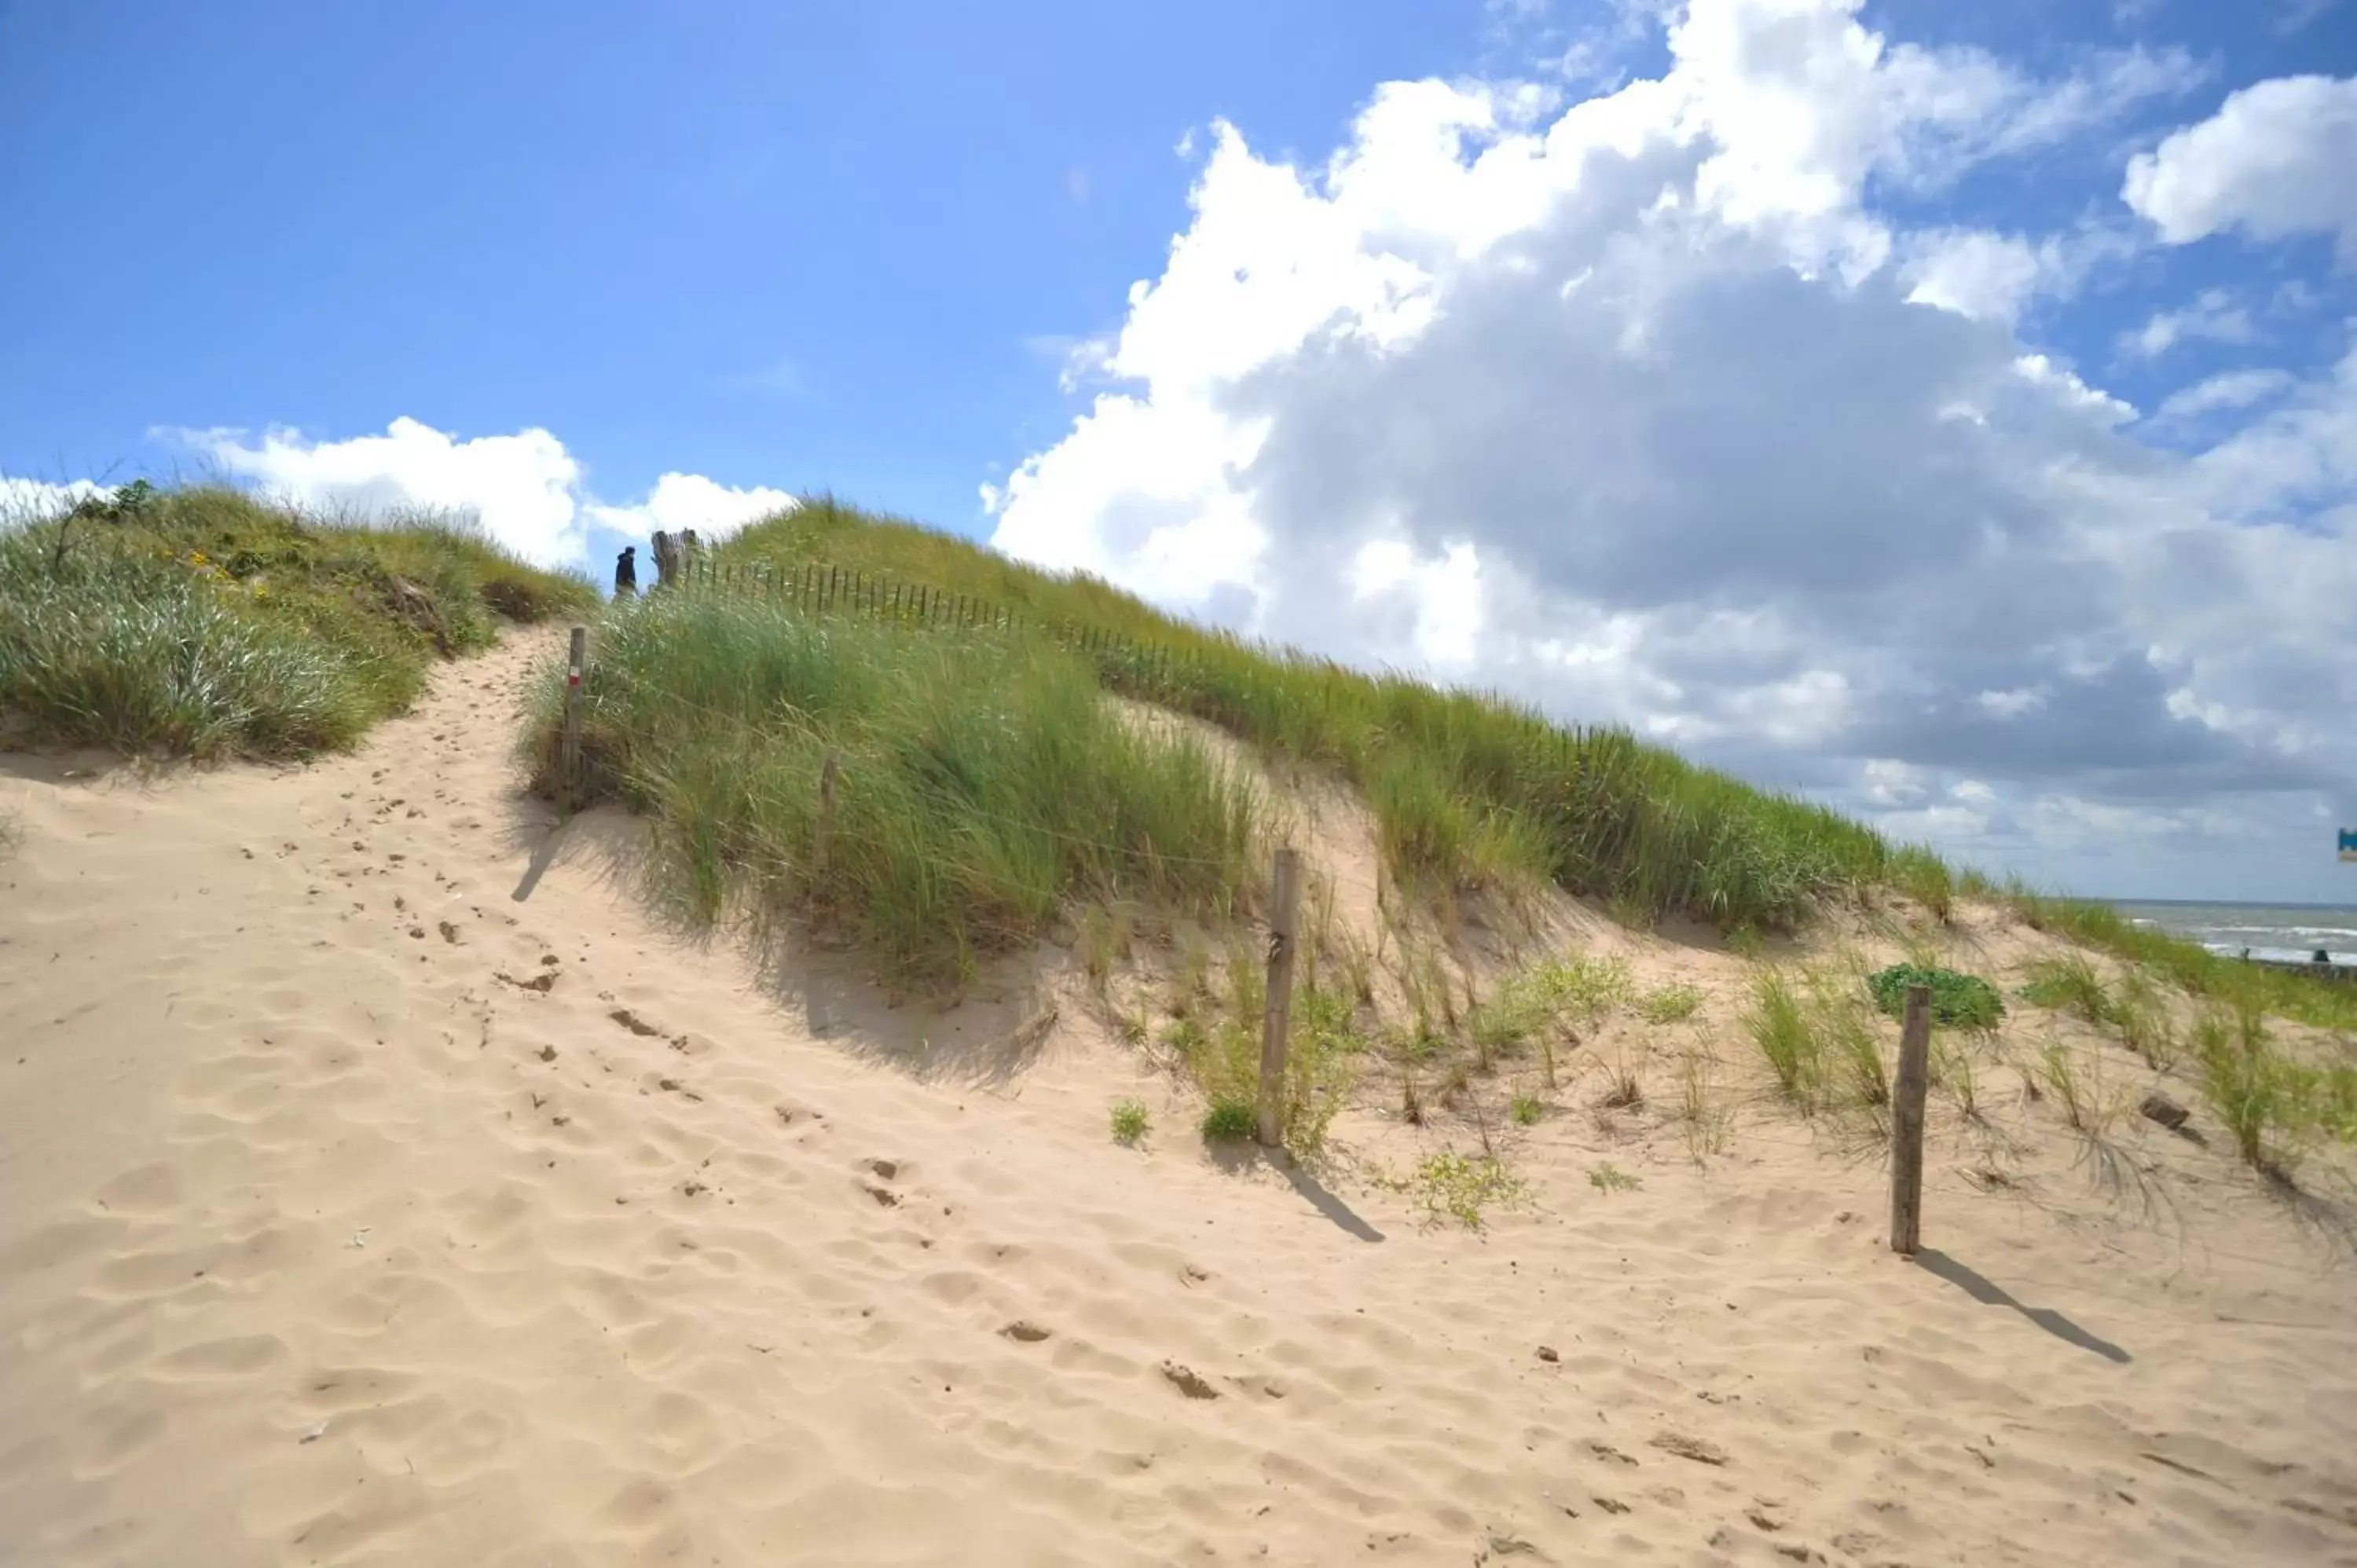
983, 781
202, 622
1469, 789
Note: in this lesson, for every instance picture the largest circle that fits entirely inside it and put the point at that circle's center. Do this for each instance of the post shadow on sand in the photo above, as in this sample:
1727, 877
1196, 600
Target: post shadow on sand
543, 856
1981, 1289
1239, 1156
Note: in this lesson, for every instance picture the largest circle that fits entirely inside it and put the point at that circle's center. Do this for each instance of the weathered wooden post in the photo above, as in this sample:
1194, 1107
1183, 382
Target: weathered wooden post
568, 750
1907, 1123
822, 833
1277, 1018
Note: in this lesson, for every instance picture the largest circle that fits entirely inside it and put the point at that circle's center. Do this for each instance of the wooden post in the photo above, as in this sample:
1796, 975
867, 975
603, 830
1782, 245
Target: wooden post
1276, 1019
568, 750
1907, 1123
822, 833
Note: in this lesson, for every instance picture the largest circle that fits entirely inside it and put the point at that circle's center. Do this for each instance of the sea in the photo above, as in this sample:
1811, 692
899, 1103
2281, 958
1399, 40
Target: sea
2289, 933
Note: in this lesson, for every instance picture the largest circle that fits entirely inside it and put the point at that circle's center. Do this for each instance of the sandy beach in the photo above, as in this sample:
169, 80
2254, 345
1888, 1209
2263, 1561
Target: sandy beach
386, 1183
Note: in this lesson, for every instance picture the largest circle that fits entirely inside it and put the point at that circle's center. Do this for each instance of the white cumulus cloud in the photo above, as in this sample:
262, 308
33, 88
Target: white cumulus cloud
525, 490
1646, 408
682, 501
2275, 160
26, 501
2213, 316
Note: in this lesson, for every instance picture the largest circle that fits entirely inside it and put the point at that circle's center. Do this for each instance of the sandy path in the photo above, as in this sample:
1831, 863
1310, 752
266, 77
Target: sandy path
328, 1236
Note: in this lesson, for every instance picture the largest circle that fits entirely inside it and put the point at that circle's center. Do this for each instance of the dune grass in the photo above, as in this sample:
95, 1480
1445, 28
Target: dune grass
982, 781
2070, 984
1816, 1033
203, 623
2187, 965
1469, 789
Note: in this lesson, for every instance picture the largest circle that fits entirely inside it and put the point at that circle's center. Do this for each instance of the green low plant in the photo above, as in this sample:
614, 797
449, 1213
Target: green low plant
1452, 1185
1228, 1120
1608, 1178
1958, 1001
1130, 1121
1669, 1003
1528, 1109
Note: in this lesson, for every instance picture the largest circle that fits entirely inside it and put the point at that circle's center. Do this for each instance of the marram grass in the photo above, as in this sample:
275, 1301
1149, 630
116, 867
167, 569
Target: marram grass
203, 623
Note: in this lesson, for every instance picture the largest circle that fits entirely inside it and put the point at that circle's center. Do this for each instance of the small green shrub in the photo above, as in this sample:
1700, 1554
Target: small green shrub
1130, 1121
1958, 1001
1527, 1110
1228, 1120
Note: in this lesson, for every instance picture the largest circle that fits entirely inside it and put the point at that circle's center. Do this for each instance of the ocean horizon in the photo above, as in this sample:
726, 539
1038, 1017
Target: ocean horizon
2282, 932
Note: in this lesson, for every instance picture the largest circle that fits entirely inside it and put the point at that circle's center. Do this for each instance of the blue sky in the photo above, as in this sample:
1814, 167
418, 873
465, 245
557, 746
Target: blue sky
796, 245
1947, 411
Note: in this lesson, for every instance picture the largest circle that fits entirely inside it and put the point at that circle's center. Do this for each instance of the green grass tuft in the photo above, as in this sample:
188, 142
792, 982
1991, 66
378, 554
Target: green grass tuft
1777, 1023
2071, 985
2271, 1106
1228, 1120
1670, 1003
1130, 1121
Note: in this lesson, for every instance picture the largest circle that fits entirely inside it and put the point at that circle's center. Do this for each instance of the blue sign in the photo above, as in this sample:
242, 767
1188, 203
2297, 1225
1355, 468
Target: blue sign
2347, 844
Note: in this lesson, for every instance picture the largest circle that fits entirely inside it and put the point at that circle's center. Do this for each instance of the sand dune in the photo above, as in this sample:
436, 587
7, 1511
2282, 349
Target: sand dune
383, 1184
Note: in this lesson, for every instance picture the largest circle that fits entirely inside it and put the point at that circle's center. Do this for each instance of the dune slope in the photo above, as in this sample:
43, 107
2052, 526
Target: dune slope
384, 1185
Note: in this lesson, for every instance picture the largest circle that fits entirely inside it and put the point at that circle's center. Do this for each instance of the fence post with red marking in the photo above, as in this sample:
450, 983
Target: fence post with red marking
568, 755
